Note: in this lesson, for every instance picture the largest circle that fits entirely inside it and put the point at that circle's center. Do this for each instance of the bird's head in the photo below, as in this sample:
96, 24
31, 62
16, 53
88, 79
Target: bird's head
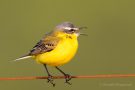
68, 28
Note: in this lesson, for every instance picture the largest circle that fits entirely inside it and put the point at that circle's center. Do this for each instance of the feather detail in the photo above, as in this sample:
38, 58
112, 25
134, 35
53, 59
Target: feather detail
23, 57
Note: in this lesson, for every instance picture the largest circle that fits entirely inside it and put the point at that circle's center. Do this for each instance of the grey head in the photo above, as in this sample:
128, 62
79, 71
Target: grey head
67, 27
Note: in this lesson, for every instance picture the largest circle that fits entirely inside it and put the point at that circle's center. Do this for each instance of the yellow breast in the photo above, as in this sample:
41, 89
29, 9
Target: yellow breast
63, 52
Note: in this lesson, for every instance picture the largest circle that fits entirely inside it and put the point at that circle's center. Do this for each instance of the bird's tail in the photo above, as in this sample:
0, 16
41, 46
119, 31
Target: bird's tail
23, 57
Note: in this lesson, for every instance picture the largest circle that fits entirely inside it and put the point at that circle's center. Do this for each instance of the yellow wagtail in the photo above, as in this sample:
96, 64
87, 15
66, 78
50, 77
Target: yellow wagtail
56, 48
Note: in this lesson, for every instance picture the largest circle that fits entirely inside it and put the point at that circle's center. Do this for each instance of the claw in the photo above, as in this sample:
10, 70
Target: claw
50, 80
68, 78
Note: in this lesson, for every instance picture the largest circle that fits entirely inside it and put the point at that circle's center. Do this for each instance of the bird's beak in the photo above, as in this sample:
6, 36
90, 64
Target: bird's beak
83, 34
77, 30
82, 28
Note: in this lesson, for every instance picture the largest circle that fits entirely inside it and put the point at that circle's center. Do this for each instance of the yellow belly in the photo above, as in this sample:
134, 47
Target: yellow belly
63, 53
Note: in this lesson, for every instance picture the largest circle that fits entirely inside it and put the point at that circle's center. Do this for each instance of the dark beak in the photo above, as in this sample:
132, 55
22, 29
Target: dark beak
83, 34
82, 28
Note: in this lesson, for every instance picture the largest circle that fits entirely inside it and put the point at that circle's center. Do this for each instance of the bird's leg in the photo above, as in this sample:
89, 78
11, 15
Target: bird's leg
50, 77
67, 76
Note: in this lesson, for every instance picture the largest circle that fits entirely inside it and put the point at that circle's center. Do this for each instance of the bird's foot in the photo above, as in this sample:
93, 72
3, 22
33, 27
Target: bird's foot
68, 78
50, 80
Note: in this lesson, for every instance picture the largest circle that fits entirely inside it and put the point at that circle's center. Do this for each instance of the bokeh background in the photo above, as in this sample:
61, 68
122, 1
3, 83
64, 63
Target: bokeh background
109, 47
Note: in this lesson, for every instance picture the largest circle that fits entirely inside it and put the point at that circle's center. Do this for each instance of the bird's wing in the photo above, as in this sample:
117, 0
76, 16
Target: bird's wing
45, 45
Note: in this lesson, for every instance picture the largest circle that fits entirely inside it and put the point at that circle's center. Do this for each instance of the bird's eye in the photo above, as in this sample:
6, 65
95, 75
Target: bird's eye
72, 30
69, 30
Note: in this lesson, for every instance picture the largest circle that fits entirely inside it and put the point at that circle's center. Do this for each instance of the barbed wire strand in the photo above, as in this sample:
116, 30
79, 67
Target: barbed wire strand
61, 77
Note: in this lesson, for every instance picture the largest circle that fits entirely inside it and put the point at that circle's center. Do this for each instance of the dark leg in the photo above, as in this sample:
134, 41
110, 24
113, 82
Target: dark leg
50, 78
67, 76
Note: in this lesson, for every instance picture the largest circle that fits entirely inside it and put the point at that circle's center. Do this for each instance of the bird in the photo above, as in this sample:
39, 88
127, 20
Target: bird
56, 48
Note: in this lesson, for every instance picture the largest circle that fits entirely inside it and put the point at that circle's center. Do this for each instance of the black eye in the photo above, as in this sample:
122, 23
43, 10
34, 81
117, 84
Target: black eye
72, 30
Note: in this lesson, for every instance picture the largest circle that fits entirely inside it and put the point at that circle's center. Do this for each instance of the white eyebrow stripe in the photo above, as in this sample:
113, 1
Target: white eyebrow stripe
69, 28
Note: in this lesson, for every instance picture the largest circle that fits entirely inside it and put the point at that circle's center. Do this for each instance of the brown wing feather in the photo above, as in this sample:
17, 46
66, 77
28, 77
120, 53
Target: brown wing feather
45, 45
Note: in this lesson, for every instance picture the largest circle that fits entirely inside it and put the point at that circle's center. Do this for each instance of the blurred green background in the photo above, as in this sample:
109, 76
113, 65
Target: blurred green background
109, 47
